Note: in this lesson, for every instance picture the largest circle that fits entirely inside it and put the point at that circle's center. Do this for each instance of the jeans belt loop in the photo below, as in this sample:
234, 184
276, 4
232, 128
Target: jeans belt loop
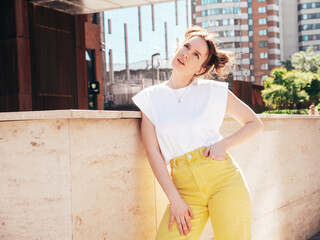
175, 162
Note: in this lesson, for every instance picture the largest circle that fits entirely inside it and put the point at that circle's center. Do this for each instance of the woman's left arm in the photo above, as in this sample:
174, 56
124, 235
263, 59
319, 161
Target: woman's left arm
251, 125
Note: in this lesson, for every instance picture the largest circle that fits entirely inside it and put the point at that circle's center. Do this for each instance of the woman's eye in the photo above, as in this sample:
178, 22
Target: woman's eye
186, 45
197, 55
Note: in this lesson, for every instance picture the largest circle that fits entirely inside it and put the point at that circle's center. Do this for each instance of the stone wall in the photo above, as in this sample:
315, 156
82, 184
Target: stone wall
81, 175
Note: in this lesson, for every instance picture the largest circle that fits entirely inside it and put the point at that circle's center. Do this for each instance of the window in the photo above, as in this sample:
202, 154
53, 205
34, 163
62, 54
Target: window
263, 32
227, 10
262, 21
250, 33
309, 37
309, 27
308, 5
95, 18
263, 44
264, 66
264, 55
308, 16
204, 24
250, 21
262, 10
205, 2
236, 10
304, 48
249, 10
250, 55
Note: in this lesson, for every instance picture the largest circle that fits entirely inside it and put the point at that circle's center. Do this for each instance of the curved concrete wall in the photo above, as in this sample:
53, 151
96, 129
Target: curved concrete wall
81, 175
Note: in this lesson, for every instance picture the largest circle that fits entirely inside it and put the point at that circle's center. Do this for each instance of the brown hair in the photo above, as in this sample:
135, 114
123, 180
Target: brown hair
216, 60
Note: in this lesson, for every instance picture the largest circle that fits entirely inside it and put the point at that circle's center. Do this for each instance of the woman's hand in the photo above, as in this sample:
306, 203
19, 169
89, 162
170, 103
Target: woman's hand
181, 213
216, 151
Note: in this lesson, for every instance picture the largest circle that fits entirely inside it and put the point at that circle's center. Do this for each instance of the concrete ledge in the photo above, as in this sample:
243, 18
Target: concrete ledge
107, 114
79, 174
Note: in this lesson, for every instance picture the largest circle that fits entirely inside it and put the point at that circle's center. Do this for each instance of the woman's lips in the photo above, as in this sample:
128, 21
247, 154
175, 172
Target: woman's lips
180, 61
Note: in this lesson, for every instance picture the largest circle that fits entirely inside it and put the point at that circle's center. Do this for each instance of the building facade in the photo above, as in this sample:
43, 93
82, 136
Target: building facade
248, 28
301, 26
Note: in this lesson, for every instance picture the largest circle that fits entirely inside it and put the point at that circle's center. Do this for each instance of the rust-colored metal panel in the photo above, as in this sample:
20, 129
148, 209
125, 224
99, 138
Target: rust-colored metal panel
53, 58
15, 78
81, 62
8, 20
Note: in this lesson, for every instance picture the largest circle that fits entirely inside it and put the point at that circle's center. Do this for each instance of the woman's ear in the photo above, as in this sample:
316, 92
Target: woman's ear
201, 71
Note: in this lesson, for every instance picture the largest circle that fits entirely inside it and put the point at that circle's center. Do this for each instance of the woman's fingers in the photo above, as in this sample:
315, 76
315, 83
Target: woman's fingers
171, 222
206, 152
183, 223
190, 213
188, 223
184, 227
179, 225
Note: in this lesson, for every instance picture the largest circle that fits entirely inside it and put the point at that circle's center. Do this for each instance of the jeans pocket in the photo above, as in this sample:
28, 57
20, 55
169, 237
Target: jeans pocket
226, 160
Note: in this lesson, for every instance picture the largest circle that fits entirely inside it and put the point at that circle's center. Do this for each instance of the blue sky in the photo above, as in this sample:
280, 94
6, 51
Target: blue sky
152, 41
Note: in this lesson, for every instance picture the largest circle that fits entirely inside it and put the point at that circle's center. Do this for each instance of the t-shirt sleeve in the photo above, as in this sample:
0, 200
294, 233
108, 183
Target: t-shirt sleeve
220, 89
143, 102
220, 93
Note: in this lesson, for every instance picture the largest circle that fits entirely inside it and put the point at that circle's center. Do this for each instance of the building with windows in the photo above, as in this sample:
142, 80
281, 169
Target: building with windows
248, 28
300, 25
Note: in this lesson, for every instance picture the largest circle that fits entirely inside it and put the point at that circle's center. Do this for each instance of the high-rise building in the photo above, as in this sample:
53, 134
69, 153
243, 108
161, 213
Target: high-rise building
300, 26
248, 28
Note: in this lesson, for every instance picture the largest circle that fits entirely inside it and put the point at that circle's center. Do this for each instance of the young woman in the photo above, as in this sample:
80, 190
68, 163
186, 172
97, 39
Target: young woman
180, 125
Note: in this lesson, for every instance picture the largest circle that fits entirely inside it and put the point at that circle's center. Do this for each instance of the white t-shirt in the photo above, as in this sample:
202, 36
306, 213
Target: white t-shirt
188, 125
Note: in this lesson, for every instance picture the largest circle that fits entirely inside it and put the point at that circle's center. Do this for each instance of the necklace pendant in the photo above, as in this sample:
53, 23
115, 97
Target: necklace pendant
179, 101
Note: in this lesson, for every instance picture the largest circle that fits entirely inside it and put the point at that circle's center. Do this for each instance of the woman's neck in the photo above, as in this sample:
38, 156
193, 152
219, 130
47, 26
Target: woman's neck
178, 80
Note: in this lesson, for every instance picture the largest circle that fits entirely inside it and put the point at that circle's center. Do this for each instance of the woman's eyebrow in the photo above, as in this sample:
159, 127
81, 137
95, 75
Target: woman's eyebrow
195, 49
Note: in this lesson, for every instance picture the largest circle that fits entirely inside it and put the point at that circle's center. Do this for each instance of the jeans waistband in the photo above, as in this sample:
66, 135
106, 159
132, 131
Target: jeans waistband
190, 156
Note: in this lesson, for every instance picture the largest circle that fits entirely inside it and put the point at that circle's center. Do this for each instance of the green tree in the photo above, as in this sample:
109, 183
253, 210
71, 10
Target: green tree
283, 89
306, 61
287, 65
276, 96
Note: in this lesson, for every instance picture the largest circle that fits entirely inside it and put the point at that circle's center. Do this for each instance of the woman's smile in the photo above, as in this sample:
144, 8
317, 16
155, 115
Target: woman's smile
180, 61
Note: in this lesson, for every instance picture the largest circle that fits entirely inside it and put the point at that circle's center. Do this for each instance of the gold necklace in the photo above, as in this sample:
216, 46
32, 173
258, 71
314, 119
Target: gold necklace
179, 97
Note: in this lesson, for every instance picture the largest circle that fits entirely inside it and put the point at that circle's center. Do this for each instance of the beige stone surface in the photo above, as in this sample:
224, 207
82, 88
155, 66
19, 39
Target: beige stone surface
113, 194
35, 195
86, 176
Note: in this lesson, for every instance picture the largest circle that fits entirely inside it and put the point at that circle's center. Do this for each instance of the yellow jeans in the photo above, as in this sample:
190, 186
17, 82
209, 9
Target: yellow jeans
211, 188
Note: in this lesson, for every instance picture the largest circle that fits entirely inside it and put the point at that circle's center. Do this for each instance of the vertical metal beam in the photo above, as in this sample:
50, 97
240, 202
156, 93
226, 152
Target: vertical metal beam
166, 39
103, 51
126, 51
176, 3
139, 17
187, 13
111, 75
109, 26
152, 15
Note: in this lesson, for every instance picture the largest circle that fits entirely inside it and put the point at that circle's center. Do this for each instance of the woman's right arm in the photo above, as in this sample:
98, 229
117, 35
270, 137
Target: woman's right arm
179, 210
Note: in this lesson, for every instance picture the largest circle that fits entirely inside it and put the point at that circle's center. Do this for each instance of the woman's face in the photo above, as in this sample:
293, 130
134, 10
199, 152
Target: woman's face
190, 56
